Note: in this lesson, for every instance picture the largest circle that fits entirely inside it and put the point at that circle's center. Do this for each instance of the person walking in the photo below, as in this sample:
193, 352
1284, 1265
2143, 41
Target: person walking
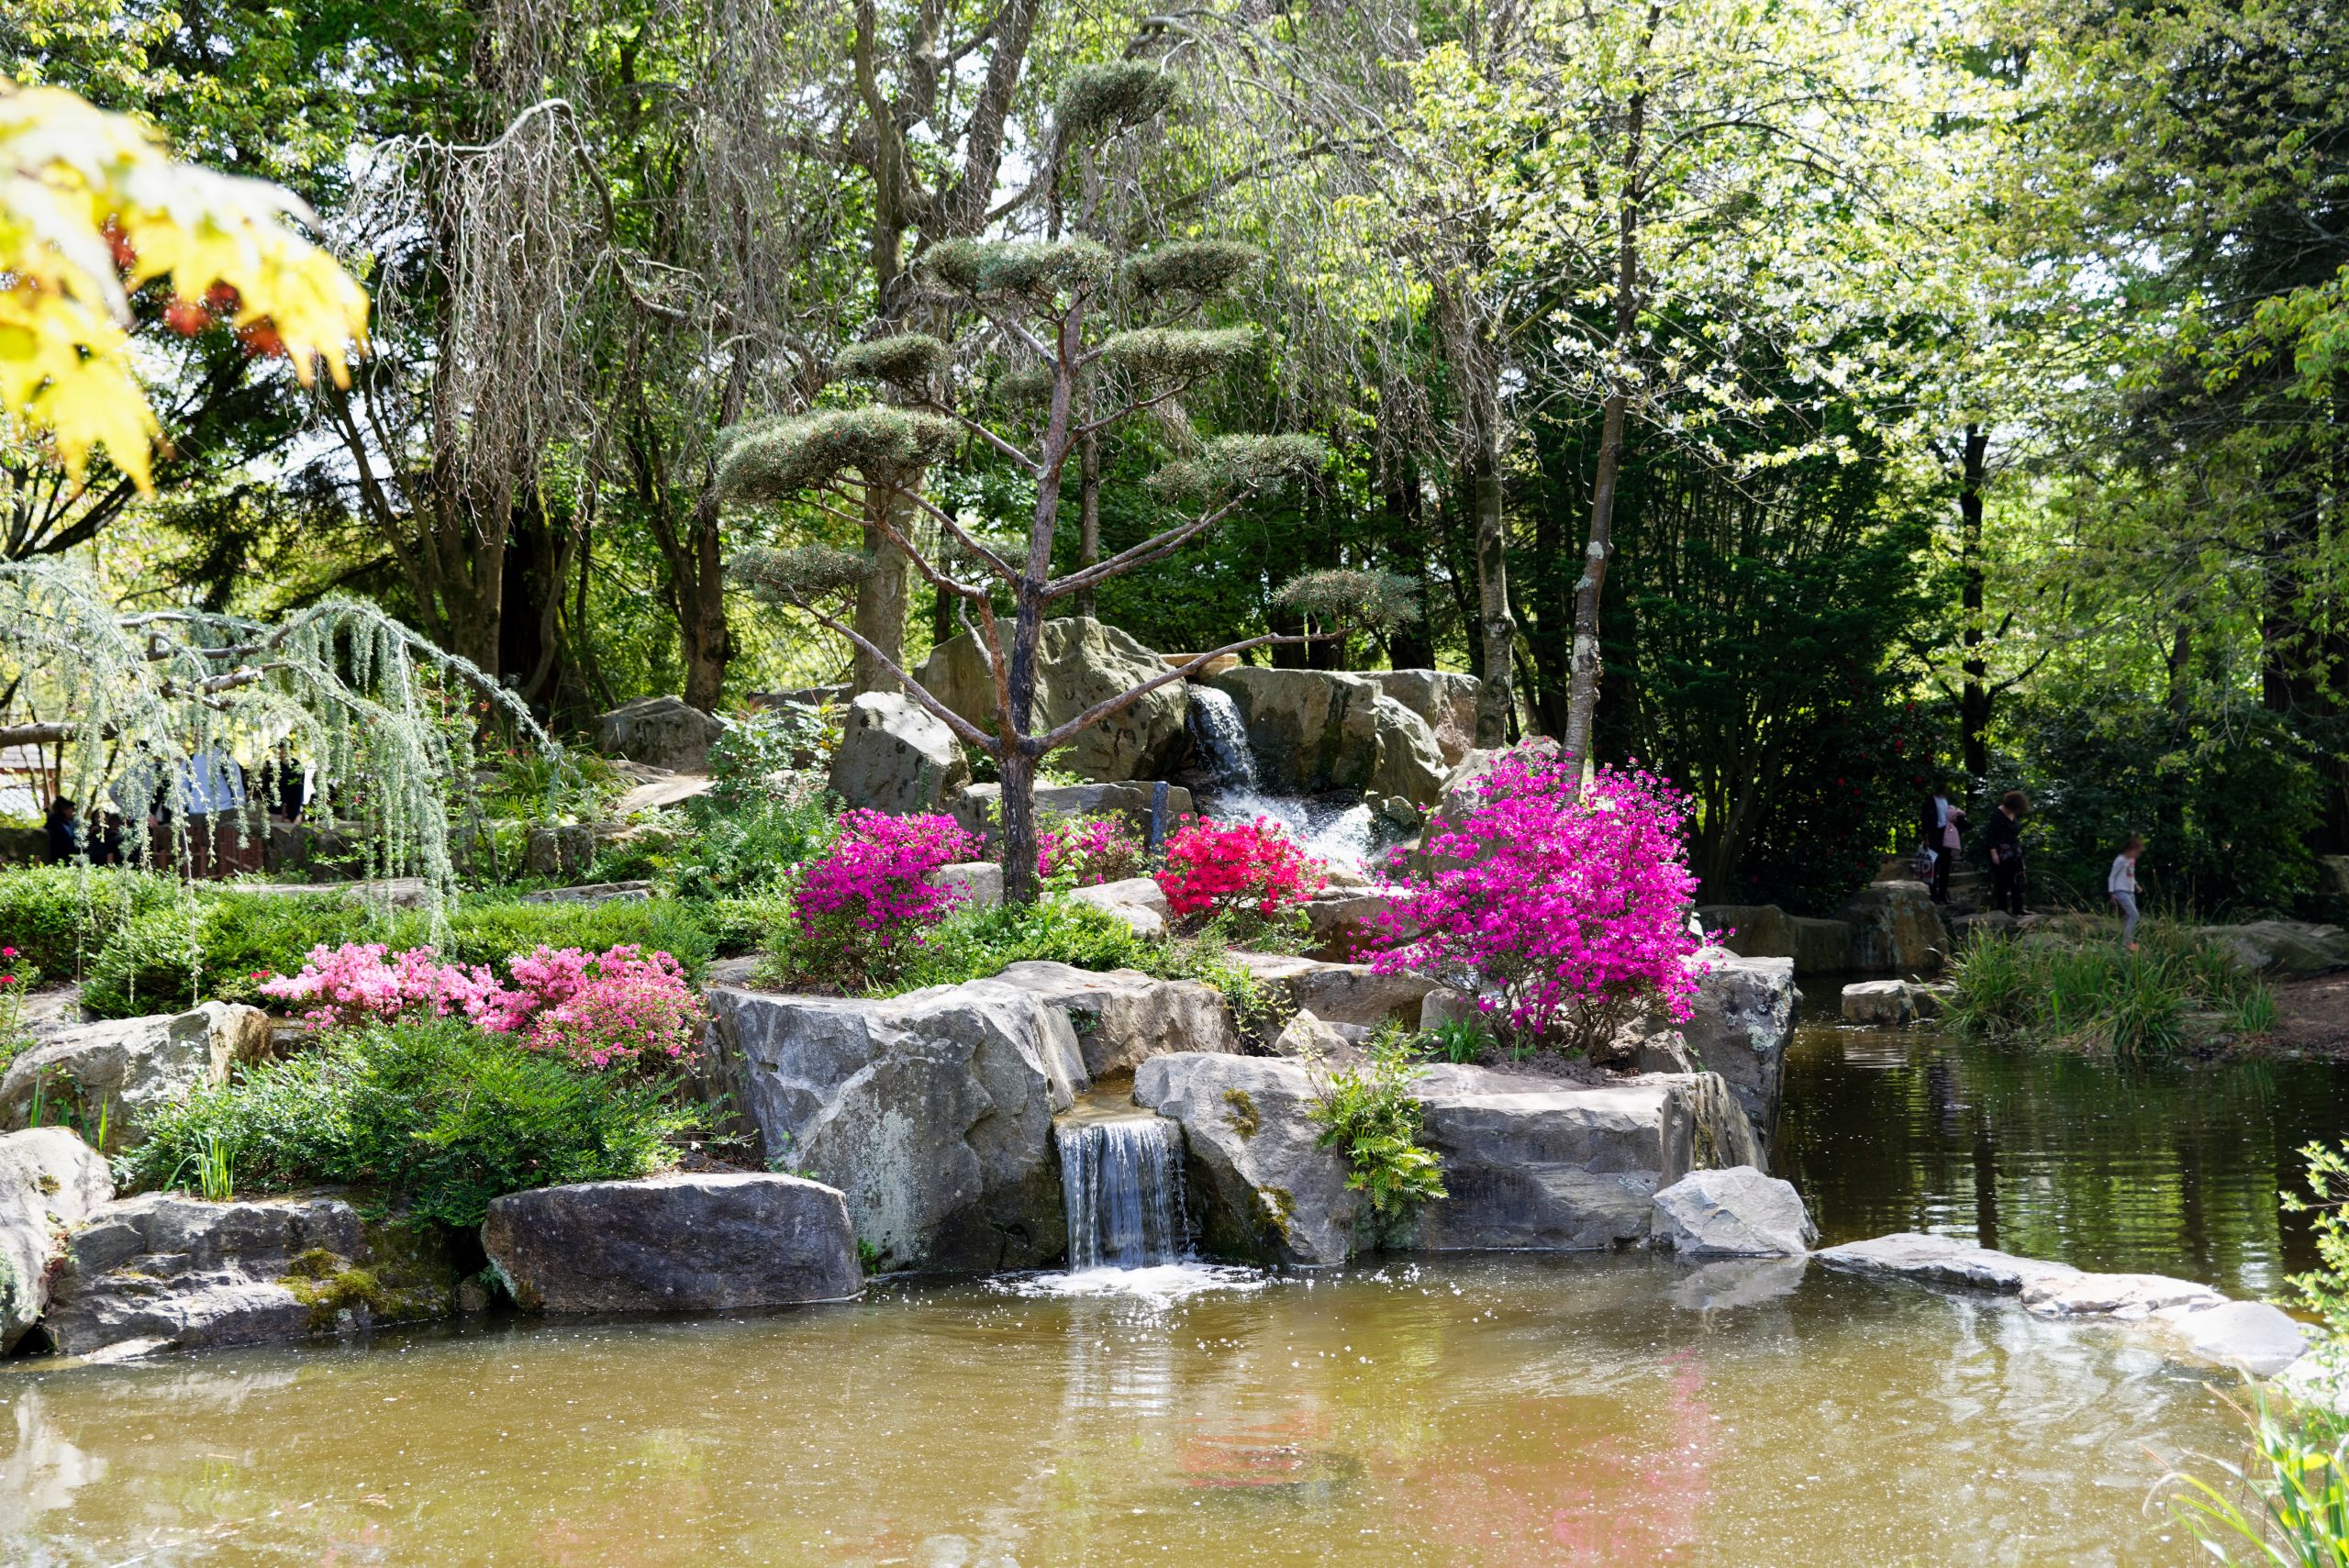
1942, 826
2004, 839
2121, 882
64, 824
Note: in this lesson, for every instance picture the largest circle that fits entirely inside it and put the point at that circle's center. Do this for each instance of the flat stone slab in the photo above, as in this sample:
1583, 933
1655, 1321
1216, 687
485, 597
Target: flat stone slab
2262, 1339
2125, 1296
1879, 1002
1942, 1260
591, 892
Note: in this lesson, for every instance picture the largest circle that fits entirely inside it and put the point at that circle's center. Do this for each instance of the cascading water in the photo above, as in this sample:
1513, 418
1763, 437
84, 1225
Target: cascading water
1121, 1184
1338, 834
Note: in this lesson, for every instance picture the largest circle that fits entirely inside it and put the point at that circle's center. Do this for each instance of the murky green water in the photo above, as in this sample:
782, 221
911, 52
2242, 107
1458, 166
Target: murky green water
2049, 1154
1596, 1410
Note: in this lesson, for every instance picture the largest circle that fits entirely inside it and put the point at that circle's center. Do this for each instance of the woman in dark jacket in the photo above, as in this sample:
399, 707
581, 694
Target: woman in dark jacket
2004, 839
65, 832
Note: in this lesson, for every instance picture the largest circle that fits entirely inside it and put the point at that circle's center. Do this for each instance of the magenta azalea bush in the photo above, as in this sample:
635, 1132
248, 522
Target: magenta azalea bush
862, 901
608, 1009
1566, 915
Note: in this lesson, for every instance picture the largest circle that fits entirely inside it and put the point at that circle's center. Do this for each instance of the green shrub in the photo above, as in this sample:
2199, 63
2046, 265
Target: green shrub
973, 943
435, 1117
1368, 1113
1455, 1040
483, 929
60, 916
213, 945
746, 923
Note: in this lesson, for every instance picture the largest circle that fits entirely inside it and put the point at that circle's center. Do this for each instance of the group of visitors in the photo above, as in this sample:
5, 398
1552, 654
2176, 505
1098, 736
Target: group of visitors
212, 792
1942, 829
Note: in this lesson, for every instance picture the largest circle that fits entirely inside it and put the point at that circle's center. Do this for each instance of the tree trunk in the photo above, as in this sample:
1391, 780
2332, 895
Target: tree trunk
1974, 693
1089, 514
1020, 883
880, 615
1411, 646
1496, 698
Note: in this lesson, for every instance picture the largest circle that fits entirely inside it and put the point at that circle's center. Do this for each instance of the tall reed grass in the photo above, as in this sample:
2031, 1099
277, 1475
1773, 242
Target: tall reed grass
2099, 995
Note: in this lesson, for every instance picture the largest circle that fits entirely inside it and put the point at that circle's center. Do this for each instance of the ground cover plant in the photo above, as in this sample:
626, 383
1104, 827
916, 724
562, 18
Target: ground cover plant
2087, 990
1367, 1111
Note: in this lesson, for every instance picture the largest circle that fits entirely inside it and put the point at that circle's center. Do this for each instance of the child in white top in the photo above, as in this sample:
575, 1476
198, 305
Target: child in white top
2121, 882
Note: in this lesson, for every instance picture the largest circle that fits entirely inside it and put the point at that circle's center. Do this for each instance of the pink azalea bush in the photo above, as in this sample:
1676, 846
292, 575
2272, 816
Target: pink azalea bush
607, 1009
1085, 851
863, 900
1253, 870
1564, 916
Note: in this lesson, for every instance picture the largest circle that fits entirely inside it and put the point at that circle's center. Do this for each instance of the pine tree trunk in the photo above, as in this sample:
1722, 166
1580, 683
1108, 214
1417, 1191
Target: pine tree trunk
1498, 695
1974, 691
1020, 883
1088, 514
880, 613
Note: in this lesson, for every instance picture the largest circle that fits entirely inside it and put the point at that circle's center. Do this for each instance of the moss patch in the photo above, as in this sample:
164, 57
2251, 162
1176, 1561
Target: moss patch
1239, 1112
329, 1284
1280, 1208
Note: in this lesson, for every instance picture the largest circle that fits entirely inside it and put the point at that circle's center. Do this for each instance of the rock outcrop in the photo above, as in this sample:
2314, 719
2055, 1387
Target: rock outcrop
51, 1182
698, 1242
897, 757
662, 732
1738, 1212
1339, 993
980, 807
166, 1272
1079, 661
1136, 900
1410, 764
1122, 1017
1445, 700
1316, 730
1529, 1162
1816, 946
125, 1070
1895, 925
2282, 947
930, 1112
1740, 1023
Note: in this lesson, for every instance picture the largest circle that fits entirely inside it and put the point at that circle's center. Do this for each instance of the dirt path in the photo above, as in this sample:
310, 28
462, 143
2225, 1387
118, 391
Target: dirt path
2312, 1014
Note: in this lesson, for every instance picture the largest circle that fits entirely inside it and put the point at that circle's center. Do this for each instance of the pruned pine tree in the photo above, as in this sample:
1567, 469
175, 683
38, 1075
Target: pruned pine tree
1047, 318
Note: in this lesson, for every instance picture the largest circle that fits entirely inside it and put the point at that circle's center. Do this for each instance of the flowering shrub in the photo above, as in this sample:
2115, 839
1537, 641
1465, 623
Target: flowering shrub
1566, 915
860, 903
1250, 868
1085, 851
614, 1007
359, 981
18, 977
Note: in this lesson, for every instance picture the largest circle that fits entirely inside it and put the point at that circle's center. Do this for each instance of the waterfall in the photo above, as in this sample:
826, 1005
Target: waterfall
1121, 1183
1215, 724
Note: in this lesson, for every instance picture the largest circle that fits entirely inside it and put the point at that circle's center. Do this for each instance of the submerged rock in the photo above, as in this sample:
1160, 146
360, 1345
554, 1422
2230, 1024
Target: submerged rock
164, 1272
1123, 1017
1941, 1259
125, 1070
1738, 1212
1079, 661
1738, 1281
2262, 1339
897, 756
707, 1242
930, 1112
49, 1183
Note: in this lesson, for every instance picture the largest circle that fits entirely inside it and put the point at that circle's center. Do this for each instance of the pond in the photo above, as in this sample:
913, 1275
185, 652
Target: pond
2050, 1154
1601, 1410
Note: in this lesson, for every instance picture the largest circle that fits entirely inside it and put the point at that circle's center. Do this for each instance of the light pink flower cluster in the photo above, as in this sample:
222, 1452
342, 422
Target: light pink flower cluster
1565, 914
601, 1009
1085, 851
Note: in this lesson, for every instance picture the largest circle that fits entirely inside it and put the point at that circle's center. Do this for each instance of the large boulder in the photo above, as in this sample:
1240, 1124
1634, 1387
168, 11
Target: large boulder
1529, 1161
1124, 1017
1339, 993
1895, 925
1882, 1003
1079, 661
1445, 699
1410, 764
698, 1242
1817, 946
49, 1183
664, 732
165, 1271
125, 1070
1138, 901
1311, 730
1736, 1212
930, 1112
1740, 1023
897, 756
2282, 947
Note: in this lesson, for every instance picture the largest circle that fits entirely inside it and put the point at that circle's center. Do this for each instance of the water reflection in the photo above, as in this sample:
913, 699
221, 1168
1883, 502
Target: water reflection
2047, 1154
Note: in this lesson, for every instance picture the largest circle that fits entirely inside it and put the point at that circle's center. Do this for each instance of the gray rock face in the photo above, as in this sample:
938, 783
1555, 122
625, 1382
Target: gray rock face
49, 1183
130, 1068
662, 731
1895, 925
1764, 930
1879, 1002
1528, 1163
930, 1112
2262, 1339
1349, 922
2125, 1296
2282, 947
979, 882
1137, 901
561, 848
980, 807
1447, 701
1079, 661
1740, 1023
1410, 764
895, 756
1123, 1017
1339, 993
168, 1271
1311, 730
594, 893
702, 1243
1738, 1212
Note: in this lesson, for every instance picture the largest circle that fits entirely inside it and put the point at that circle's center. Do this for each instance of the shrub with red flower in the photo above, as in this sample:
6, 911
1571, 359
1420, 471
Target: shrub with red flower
1252, 870
866, 897
1566, 915
1085, 851
17, 978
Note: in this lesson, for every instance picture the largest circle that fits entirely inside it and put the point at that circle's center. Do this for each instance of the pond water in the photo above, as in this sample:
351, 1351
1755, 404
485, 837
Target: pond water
1616, 1410
1624, 1410
2050, 1154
